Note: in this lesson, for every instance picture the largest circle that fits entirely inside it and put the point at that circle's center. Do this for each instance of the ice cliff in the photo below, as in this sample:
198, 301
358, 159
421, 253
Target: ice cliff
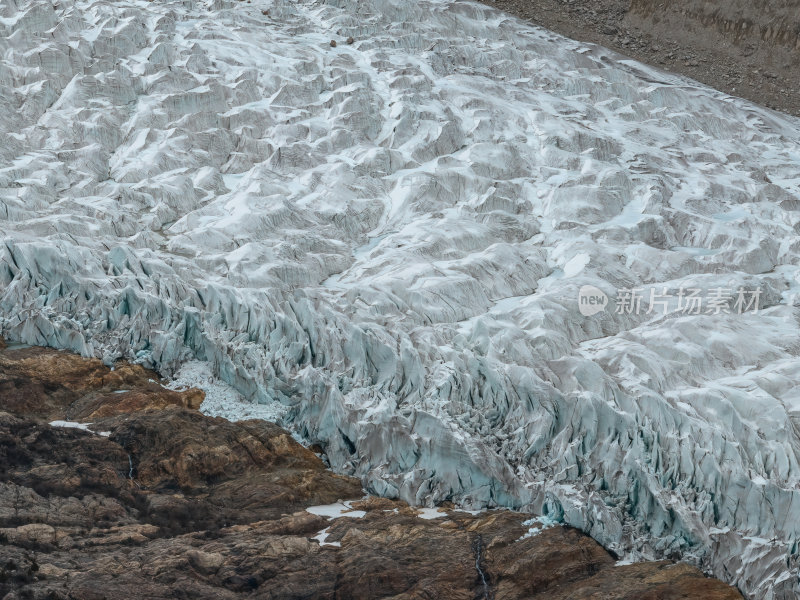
388, 237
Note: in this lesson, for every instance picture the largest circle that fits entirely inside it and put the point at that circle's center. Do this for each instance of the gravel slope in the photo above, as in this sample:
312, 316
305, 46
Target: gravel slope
741, 47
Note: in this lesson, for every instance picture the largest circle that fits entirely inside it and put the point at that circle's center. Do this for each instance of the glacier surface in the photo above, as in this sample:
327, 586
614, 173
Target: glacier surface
383, 242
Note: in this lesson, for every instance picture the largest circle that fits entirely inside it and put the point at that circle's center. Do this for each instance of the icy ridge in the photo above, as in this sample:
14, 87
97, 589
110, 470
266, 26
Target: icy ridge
387, 238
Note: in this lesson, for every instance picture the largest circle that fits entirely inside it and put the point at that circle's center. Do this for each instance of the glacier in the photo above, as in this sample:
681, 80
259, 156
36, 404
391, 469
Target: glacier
382, 242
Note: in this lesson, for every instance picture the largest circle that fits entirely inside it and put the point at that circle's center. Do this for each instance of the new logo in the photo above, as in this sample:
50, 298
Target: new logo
591, 300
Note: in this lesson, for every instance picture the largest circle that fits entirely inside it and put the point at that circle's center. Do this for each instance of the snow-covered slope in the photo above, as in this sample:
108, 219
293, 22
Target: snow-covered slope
388, 238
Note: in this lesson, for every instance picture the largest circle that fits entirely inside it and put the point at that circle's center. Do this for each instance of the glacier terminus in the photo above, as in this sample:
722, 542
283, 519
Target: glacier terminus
383, 243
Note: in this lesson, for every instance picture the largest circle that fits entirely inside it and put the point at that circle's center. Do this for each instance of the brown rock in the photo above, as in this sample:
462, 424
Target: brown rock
205, 562
50, 384
376, 503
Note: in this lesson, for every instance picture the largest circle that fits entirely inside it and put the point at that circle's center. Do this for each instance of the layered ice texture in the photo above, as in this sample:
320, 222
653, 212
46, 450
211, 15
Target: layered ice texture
385, 240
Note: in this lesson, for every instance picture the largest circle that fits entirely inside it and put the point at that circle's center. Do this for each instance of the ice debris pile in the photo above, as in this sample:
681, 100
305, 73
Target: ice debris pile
387, 239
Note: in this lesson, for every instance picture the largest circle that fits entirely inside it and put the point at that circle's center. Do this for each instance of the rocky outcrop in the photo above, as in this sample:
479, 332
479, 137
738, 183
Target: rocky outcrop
154, 499
46, 383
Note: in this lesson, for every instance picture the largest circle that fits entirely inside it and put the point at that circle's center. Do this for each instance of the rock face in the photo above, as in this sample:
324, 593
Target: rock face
166, 502
387, 240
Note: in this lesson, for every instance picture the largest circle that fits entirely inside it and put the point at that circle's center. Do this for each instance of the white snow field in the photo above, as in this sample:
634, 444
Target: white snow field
384, 241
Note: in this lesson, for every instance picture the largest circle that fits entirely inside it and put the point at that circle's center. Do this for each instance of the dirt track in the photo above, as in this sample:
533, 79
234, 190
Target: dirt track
747, 48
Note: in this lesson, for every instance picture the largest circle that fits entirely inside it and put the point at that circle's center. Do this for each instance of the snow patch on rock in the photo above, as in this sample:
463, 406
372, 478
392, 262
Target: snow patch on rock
536, 525
76, 425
